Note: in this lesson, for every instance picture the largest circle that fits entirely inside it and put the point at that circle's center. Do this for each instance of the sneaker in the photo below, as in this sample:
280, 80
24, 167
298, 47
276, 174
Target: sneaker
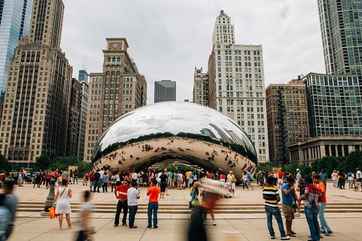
285, 238
155, 227
133, 227
272, 237
149, 226
213, 223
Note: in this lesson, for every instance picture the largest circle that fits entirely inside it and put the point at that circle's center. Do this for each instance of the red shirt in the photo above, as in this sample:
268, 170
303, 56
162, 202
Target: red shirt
322, 188
153, 194
121, 192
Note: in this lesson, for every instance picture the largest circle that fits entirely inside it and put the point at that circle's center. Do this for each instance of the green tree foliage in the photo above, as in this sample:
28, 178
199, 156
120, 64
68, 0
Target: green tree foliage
4, 164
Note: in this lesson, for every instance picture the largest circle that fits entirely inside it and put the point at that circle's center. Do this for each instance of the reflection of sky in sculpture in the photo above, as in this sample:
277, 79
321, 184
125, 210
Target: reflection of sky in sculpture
175, 118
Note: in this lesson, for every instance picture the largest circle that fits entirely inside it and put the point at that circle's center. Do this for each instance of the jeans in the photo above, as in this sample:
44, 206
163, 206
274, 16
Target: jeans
324, 226
132, 215
152, 214
270, 212
121, 206
311, 214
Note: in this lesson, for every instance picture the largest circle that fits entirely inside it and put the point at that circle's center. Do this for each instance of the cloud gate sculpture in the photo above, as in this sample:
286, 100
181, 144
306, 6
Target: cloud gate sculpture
176, 131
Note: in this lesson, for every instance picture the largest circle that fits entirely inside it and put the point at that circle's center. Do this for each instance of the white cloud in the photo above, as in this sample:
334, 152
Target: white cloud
168, 38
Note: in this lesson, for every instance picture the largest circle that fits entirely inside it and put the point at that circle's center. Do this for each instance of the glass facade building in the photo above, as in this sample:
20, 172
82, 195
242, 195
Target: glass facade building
165, 90
15, 16
335, 105
341, 25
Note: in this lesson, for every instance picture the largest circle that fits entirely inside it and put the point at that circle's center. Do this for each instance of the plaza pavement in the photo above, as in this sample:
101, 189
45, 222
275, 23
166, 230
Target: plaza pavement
247, 227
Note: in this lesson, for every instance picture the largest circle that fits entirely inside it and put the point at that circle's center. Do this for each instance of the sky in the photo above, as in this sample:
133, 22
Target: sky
168, 38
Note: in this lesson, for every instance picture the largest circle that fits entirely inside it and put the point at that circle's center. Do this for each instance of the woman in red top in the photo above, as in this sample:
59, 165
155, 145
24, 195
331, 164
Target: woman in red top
154, 194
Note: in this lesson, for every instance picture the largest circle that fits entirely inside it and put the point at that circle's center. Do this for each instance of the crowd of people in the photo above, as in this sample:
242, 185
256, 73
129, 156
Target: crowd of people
293, 191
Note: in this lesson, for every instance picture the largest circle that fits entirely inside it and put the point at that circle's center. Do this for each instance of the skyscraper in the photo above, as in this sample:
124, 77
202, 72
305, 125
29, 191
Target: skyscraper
236, 75
201, 87
83, 75
15, 18
117, 91
36, 108
165, 90
287, 114
334, 99
74, 121
341, 26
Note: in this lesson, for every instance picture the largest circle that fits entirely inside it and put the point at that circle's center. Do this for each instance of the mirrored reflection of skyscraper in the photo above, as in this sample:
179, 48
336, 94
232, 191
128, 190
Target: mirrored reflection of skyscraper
14, 24
165, 90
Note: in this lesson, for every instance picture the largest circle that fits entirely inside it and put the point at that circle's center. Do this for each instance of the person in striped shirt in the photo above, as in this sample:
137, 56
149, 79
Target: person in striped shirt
272, 198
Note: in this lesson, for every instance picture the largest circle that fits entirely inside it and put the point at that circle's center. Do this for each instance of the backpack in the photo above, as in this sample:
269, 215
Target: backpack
4, 221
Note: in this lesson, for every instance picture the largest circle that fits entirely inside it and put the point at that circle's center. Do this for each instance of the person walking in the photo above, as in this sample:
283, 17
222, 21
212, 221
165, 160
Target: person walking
289, 204
272, 198
11, 203
324, 227
311, 197
133, 195
5, 218
153, 194
122, 206
62, 197
86, 231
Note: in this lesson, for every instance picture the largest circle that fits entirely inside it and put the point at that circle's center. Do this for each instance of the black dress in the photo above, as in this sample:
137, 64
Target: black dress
197, 229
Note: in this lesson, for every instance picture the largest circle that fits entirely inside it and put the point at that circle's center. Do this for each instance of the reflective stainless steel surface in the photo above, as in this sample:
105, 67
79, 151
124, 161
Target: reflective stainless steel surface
175, 123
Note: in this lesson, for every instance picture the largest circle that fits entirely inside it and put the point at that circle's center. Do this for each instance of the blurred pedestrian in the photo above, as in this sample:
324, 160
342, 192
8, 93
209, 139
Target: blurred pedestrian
197, 227
86, 230
153, 194
5, 218
11, 203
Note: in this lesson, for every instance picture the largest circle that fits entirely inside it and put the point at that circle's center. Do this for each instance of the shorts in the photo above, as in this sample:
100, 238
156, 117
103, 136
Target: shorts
288, 212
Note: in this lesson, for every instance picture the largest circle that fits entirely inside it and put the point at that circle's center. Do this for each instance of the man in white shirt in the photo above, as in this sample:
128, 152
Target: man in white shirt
133, 195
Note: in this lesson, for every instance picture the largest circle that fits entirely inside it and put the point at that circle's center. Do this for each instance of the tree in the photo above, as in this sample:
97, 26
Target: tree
43, 162
4, 164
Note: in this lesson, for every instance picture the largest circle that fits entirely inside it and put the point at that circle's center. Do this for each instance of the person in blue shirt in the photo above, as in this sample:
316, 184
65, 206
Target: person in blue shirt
289, 203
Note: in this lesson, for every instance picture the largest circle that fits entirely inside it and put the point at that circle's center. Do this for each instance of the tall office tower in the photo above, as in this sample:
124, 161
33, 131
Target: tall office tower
38, 90
74, 118
83, 112
201, 87
237, 77
341, 25
165, 90
117, 91
83, 75
335, 105
15, 18
287, 115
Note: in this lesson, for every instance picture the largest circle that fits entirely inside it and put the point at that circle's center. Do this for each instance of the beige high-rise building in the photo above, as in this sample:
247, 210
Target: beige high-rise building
117, 91
201, 87
35, 114
236, 83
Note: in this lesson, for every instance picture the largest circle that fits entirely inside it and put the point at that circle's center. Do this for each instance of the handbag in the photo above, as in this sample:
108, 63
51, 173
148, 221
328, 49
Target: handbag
52, 214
